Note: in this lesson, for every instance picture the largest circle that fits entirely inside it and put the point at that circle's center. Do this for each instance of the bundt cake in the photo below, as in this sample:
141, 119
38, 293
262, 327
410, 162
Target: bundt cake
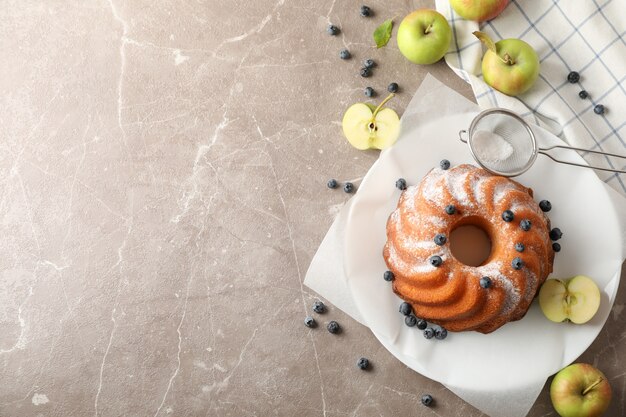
440, 288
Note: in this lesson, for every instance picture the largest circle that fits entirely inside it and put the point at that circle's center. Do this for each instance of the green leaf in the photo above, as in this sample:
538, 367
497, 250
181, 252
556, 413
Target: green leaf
484, 38
382, 34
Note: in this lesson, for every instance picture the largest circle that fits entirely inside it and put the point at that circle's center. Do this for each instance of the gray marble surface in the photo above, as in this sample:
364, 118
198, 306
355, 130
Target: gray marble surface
163, 169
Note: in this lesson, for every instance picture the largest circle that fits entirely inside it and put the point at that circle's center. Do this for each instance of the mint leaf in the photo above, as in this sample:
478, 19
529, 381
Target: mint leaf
382, 34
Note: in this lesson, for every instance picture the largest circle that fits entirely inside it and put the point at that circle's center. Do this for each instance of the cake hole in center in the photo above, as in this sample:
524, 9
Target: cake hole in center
470, 245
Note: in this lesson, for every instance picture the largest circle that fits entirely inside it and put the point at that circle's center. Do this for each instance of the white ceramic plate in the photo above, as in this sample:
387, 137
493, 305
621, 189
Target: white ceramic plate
519, 353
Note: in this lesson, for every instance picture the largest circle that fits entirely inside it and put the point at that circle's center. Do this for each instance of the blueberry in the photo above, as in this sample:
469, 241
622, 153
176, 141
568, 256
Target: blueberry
405, 308
332, 30
332, 183
450, 209
392, 88
508, 216
556, 247
388, 276
401, 184
598, 109
573, 77
436, 260
517, 263
369, 92
556, 234
363, 363
333, 327
545, 206
319, 307
519, 247
366, 11
441, 333
583, 94
440, 239
525, 225
344, 54
429, 333
485, 282
422, 324
309, 322
348, 187
365, 72
444, 164
369, 63
427, 400
410, 321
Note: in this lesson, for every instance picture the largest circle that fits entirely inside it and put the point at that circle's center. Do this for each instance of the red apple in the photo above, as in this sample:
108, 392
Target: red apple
478, 10
580, 390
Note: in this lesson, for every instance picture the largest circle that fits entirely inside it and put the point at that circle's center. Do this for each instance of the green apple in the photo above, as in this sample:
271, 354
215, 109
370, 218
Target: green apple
478, 10
424, 36
366, 126
511, 66
576, 299
580, 390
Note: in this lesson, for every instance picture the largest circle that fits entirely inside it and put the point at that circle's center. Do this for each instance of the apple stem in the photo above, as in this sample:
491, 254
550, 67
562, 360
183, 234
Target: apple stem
380, 106
507, 59
428, 29
592, 386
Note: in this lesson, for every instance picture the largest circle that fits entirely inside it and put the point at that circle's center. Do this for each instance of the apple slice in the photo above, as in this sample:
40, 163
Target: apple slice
366, 126
576, 299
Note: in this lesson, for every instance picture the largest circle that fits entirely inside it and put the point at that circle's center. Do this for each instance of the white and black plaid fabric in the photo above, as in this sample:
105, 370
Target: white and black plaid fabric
588, 37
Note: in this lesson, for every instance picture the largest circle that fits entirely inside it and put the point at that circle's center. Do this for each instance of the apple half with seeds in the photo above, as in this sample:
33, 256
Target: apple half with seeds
576, 299
366, 126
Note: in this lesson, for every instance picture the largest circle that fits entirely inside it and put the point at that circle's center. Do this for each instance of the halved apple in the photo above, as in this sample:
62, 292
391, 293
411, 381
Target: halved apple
576, 299
366, 126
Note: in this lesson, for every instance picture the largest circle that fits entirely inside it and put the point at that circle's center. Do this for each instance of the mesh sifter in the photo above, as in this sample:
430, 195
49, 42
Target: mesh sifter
504, 144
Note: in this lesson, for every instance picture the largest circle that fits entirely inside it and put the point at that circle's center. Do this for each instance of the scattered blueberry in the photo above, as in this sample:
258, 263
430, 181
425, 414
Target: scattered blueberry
450, 209
392, 88
363, 363
519, 247
369, 92
427, 400
556, 247
545, 206
508, 216
436, 260
422, 324
366, 11
410, 321
556, 234
573, 77
598, 109
309, 321
332, 183
583, 94
332, 30
444, 164
388, 276
405, 308
441, 333
401, 184
369, 63
333, 327
485, 282
348, 187
517, 263
319, 307
525, 225
365, 72
344, 54
440, 239
429, 333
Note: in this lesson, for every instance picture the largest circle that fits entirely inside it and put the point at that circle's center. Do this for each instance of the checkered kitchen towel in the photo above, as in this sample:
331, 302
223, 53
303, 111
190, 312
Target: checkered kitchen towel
587, 36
